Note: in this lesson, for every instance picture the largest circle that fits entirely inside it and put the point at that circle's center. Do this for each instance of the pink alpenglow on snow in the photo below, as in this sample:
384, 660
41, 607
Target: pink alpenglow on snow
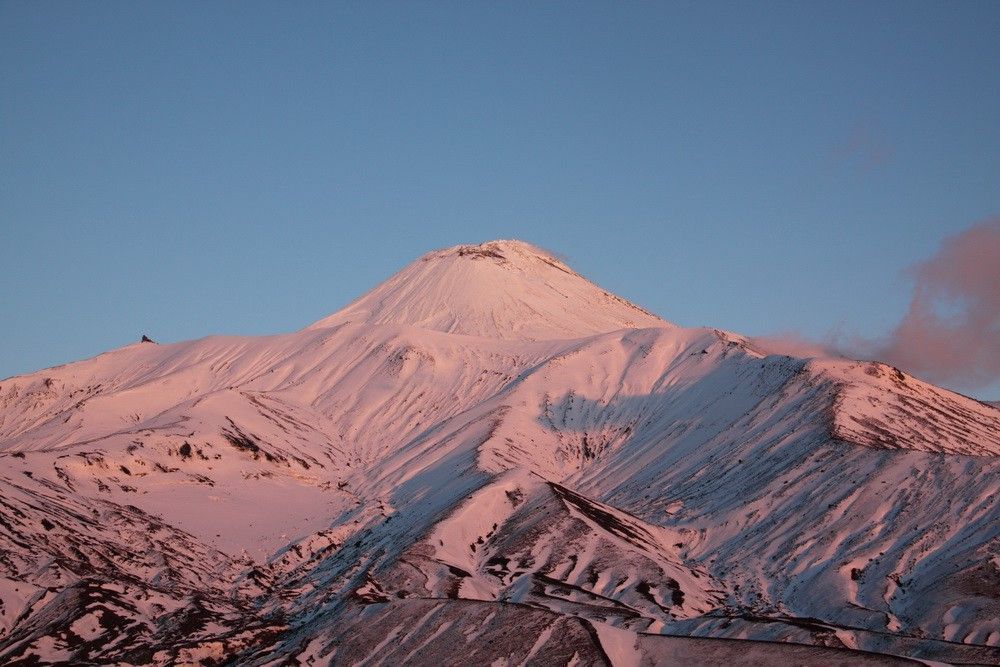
488, 459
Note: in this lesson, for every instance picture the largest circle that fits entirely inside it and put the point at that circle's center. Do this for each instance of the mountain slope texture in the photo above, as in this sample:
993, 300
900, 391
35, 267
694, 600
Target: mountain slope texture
487, 459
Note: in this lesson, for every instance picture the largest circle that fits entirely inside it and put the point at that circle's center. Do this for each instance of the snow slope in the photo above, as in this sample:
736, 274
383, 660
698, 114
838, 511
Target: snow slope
500, 289
486, 437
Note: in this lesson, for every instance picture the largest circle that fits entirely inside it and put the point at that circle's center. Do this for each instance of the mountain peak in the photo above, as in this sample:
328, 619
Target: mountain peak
503, 251
504, 289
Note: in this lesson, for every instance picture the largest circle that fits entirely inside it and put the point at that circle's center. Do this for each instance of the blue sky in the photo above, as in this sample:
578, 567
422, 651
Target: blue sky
184, 169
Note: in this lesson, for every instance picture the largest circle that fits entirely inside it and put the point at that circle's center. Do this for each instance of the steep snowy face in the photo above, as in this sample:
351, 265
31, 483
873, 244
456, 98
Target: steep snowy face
501, 289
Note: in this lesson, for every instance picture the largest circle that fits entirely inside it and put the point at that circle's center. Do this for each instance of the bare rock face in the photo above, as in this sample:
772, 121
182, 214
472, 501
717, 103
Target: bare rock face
488, 457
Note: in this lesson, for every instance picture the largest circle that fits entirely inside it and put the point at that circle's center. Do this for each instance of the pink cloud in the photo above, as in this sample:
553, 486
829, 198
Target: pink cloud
950, 333
867, 147
793, 344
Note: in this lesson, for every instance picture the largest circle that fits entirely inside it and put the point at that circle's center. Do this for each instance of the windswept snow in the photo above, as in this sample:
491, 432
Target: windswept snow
488, 458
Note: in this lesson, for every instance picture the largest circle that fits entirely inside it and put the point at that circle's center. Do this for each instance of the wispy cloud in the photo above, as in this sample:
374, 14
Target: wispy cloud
794, 344
950, 333
866, 148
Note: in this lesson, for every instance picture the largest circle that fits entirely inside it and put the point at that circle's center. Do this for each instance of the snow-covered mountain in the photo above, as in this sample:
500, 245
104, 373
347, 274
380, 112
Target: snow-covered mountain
504, 289
488, 458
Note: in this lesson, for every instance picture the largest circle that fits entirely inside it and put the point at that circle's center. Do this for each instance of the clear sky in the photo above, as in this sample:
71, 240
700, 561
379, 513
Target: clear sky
183, 169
